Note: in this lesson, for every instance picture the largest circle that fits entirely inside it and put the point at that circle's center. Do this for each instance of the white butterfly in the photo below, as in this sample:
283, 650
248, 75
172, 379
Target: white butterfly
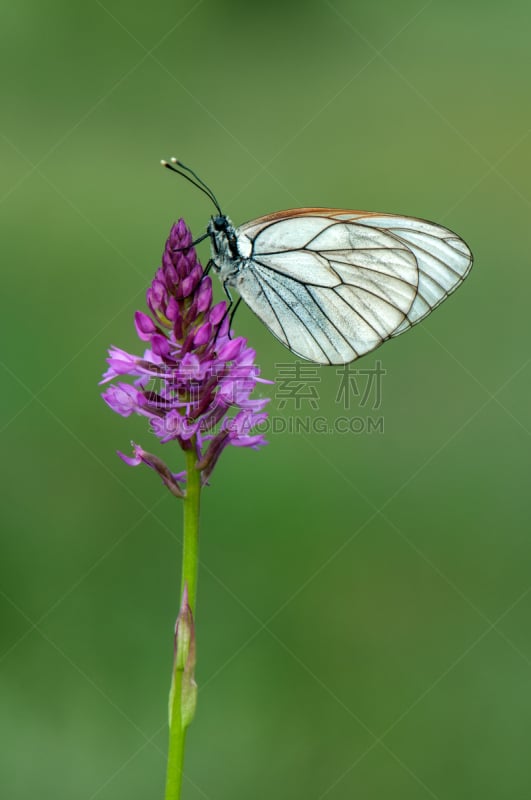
333, 284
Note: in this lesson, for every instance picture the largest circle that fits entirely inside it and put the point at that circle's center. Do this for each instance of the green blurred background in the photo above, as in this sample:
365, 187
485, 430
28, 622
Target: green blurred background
364, 600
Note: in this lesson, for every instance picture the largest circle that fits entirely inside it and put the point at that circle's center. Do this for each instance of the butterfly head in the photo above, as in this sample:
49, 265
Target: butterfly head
220, 222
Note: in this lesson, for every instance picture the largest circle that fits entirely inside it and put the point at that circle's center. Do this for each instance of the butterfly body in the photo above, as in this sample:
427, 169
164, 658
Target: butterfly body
334, 284
230, 251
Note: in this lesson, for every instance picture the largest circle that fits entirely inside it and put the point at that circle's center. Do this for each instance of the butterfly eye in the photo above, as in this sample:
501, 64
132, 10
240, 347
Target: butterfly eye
220, 223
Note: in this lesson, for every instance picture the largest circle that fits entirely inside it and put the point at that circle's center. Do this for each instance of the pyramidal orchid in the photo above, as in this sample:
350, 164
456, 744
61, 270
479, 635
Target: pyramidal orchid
193, 383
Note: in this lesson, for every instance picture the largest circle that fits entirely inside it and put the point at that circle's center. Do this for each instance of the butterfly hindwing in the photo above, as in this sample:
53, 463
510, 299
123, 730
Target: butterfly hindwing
443, 258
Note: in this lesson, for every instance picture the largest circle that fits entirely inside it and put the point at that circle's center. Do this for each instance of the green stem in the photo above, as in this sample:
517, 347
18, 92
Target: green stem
191, 528
190, 564
174, 774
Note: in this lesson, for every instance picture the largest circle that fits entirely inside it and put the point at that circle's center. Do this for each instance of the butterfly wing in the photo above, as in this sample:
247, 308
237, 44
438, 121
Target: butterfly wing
443, 259
334, 284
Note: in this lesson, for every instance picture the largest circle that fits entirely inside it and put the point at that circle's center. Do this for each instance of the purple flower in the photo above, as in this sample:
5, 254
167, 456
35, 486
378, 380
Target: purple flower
194, 382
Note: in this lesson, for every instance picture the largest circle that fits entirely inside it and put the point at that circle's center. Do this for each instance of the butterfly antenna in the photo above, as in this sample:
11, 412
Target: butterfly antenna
198, 179
198, 183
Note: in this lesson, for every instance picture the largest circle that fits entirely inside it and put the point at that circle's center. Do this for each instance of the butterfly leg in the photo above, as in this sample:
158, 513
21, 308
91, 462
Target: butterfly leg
193, 244
231, 304
229, 310
234, 310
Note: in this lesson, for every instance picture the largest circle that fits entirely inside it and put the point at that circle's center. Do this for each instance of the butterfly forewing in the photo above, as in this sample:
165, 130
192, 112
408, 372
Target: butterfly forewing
333, 284
443, 260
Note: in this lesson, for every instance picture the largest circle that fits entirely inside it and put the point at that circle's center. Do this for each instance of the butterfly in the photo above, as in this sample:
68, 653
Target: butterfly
333, 284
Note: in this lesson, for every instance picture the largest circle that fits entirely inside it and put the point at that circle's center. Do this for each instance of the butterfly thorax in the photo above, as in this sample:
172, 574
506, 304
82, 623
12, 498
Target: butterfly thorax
230, 249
